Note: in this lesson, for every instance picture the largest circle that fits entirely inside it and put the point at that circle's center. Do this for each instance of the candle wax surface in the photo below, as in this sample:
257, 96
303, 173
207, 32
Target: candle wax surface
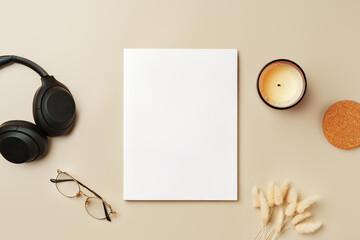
281, 84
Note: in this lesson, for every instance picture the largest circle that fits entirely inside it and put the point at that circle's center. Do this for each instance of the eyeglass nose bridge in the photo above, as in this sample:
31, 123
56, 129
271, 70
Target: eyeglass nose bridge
82, 193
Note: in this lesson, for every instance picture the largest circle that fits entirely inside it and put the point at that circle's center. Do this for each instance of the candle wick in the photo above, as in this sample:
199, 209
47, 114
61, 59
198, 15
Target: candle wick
279, 85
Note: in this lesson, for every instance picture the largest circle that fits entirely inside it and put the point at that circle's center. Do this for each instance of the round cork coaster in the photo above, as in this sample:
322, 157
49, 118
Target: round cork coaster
341, 124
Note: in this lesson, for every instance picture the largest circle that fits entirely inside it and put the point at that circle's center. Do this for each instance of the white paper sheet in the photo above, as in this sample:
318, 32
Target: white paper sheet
180, 124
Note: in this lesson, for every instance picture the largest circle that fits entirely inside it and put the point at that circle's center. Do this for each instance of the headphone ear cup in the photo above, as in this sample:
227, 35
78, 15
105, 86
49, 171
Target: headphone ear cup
22, 141
54, 108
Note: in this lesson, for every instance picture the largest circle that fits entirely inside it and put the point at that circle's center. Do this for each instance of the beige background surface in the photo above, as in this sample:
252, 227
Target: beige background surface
81, 43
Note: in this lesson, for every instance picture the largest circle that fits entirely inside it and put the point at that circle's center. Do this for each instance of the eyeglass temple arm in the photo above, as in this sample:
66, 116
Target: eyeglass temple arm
67, 180
106, 212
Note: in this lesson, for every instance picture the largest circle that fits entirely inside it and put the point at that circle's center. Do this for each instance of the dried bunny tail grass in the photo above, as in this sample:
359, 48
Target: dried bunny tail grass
291, 208
284, 189
300, 217
279, 221
278, 198
292, 196
308, 227
255, 197
264, 208
306, 203
270, 194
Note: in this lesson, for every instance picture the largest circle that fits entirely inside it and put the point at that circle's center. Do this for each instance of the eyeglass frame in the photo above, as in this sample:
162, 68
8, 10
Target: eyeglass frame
107, 214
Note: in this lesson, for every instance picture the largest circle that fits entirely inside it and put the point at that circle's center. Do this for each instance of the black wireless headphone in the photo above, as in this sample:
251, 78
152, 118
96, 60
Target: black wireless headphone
53, 111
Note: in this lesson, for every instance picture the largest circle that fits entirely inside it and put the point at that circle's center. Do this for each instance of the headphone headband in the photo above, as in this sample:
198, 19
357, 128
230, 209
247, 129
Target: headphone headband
10, 59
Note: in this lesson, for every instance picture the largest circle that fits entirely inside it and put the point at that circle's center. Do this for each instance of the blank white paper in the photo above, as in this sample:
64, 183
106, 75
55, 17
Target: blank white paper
180, 124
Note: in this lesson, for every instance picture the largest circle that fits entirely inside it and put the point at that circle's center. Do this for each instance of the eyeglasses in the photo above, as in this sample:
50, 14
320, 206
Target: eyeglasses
96, 206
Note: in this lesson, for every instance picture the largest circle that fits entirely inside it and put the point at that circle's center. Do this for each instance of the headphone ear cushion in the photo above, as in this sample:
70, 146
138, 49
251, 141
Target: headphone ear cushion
54, 110
22, 141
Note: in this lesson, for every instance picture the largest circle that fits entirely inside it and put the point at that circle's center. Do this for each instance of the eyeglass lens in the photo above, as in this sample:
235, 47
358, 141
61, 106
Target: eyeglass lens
96, 207
67, 186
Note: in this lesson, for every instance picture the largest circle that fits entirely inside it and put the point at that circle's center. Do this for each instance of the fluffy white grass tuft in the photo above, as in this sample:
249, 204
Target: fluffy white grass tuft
284, 189
255, 197
291, 209
292, 195
278, 198
300, 217
264, 208
308, 227
279, 221
306, 203
270, 194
